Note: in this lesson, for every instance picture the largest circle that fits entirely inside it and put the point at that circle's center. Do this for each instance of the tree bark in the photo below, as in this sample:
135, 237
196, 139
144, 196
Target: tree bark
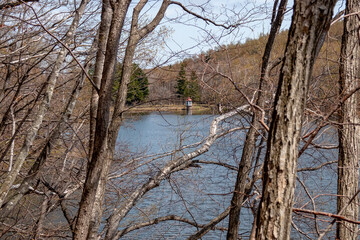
41, 221
32, 175
51, 81
103, 33
253, 133
310, 19
136, 34
102, 154
349, 130
104, 28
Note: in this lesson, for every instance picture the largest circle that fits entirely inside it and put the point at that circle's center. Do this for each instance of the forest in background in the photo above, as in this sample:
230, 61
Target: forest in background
70, 71
242, 61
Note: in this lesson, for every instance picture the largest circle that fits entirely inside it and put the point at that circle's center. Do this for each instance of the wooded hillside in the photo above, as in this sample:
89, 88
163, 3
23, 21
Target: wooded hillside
242, 62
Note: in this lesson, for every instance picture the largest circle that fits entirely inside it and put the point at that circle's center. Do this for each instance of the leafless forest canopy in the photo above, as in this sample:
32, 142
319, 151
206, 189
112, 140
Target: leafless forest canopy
281, 146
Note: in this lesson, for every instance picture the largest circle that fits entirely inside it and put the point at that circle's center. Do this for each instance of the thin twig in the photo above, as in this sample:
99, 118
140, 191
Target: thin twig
339, 213
66, 47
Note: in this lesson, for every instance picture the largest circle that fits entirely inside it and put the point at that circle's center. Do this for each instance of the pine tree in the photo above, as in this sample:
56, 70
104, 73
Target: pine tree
187, 88
138, 87
181, 81
192, 88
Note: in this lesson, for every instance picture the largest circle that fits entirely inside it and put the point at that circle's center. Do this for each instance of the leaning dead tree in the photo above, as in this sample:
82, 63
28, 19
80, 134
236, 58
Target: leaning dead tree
173, 166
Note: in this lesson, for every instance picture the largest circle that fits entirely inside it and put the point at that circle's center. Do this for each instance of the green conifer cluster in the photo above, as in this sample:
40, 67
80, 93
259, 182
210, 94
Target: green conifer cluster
187, 88
138, 88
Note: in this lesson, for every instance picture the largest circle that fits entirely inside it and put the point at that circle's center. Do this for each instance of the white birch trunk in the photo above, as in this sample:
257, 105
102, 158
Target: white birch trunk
44, 105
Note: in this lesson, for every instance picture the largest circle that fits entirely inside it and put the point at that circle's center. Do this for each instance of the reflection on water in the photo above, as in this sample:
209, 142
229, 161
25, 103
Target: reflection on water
198, 194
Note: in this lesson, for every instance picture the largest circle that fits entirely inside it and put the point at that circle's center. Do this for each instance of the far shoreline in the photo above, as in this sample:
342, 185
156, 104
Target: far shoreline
172, 108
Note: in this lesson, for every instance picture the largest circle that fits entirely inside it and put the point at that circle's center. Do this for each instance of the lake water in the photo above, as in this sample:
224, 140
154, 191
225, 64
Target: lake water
200, 194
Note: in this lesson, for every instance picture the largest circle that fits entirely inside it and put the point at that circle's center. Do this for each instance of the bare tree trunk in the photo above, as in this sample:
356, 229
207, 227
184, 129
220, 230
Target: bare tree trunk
106, 132
309, 20
40, 224
33, 173
102, 154
51, 81
103, 33
349, 130
136, 34
12, 135
99, 66
253, 133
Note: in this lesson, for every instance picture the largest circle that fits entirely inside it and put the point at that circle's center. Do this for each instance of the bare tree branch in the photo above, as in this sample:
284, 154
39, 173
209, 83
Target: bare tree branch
207, 20
67, 48
336, 216
216, 163
162, 219
339, 213
183, 161
210, 225
317, 167
15, 3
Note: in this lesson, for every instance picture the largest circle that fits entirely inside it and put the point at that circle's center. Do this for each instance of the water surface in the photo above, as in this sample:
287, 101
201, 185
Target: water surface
200, 194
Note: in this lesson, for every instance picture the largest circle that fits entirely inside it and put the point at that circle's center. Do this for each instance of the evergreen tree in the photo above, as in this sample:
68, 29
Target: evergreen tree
181, 81
192, 88
187, 88
138, 87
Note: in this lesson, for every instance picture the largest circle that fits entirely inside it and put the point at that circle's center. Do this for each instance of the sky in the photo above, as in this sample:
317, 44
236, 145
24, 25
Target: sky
190, 35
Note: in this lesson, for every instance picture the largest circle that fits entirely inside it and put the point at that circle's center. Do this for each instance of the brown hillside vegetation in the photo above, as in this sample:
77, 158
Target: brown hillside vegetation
226, 68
